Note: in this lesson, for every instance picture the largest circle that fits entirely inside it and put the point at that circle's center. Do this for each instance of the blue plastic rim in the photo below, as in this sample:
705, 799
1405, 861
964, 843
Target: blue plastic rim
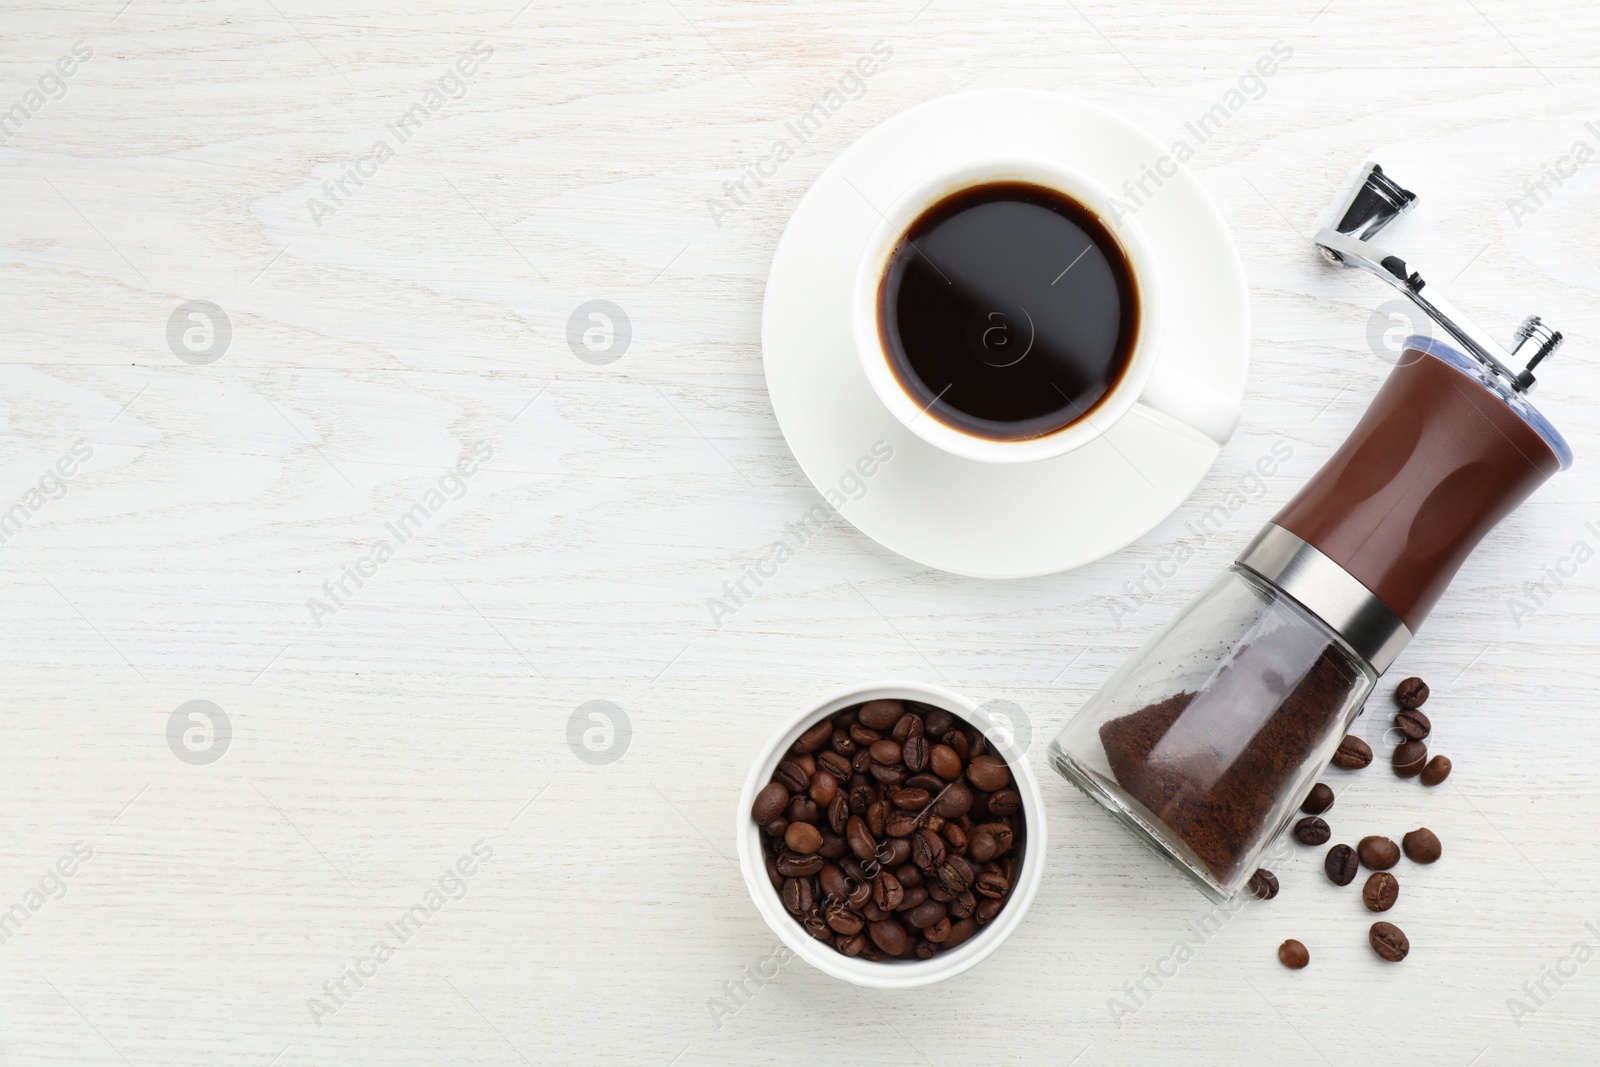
1492, 383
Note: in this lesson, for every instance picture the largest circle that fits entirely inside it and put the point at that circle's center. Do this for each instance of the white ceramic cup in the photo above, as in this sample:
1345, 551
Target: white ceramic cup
889, 974
1163, 389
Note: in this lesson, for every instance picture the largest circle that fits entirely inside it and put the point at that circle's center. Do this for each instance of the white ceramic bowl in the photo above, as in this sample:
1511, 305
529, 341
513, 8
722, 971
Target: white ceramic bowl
896, 974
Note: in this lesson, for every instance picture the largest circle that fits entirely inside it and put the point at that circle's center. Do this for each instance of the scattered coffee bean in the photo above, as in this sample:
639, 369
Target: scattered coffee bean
1293, 955
1411, 693
1388, 941
1341, 865
1413, 724
1319, 800
1409, 758
1436, 770
1312, 830
891, 831
1378, 853
1422, 846
1353, 753
1380, 892
1263, 884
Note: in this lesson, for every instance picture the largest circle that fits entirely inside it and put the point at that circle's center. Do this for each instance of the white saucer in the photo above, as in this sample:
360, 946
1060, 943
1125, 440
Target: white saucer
993, 520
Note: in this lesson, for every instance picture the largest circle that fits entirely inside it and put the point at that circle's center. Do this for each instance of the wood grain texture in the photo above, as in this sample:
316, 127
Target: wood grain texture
429, 312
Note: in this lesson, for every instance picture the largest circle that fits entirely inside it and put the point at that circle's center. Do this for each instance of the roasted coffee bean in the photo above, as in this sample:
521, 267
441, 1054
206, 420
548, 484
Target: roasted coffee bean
843, 744
956, 874
938, 721
872, 913
977, 744
1005, 802
833, 845
792, 776
862, 795
926, 914
1409, 758
870, 952
1414, 724
955, 838
885, 752
880, 714
901, 824
1312, 830
890, 936
938, 931
908, 727
851, 946
1319, 800
988, 773
958, 741
887, 892
843, 919
1422, 846
776, 827
1353, 753
1436, 770
894, 852
817, 926
933, 820
910, 799
770, 802
803, 838
838, 814
991, 885
1411, 693
888, 775
814, 738
945, 763
925, 949
824, 787
908, 874
987, 910
797, 895
914, 895
861, 760
960, 932
1378, 853
833, 883
982, 846
794, 865
1388, 941
963, 905
860, 895
836, 765
804, 809
932, 783
859, 838
1341, 865
1380, 892
927, 850
864, 737
954, 801
877, 814
1293, 955
915, 752
1263, 884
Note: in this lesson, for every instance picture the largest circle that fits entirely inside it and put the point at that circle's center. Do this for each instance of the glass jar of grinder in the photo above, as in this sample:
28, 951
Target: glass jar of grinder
1206, 741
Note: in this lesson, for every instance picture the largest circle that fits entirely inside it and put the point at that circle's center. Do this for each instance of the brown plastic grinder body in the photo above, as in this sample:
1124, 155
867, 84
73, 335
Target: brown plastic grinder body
1433, 465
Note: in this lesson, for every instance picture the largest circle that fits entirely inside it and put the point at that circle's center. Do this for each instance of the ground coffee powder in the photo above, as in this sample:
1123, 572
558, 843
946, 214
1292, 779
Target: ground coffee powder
1213, 765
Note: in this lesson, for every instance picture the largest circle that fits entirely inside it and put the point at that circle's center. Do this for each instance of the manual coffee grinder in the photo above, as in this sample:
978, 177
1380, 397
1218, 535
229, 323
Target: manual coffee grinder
1204, 742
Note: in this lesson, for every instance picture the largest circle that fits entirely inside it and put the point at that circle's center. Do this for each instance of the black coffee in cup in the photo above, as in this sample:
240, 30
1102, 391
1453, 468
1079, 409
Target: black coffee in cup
1008, 311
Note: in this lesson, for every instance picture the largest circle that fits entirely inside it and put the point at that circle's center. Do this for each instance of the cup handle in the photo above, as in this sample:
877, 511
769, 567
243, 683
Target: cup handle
1192, 402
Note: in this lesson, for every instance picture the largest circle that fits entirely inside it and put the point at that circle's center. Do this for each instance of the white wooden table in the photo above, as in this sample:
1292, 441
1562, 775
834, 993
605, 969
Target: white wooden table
416, 306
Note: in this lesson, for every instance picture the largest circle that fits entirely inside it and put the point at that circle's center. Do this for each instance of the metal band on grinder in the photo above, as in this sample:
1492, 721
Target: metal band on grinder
1329, 592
